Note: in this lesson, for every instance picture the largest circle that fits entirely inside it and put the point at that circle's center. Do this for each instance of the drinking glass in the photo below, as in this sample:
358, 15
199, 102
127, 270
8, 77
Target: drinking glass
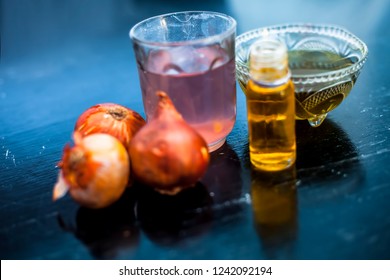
190, 56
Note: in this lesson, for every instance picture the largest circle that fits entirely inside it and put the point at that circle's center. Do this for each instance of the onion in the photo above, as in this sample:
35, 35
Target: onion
167, 154
116, 120
95, 170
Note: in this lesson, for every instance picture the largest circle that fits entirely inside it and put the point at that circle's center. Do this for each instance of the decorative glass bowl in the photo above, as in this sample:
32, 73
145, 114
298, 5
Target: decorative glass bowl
325, 62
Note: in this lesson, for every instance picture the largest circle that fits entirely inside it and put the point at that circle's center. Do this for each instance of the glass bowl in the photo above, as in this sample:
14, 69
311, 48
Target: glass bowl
325, 62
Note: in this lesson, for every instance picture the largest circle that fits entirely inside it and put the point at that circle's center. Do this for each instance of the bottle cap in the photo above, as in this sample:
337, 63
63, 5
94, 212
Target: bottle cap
268, 60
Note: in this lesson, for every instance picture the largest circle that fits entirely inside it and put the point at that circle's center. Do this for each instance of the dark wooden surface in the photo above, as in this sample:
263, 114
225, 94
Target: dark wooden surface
60, 57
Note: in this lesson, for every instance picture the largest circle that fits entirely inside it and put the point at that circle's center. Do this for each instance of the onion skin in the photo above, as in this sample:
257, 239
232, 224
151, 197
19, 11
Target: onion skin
116, 120
95, 170
167, 154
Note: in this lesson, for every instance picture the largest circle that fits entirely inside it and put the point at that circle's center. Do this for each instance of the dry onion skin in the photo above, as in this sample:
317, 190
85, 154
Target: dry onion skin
168, 154
114, 119
95, 170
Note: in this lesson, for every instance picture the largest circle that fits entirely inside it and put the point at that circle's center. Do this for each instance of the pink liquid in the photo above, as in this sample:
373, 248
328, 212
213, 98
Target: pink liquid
201, 84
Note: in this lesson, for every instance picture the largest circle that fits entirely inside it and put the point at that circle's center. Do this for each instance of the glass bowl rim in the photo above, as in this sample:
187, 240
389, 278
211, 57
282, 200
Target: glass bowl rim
206, 40
321, 29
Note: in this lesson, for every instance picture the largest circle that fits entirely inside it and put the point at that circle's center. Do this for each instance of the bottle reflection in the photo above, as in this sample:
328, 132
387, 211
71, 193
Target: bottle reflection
274, 203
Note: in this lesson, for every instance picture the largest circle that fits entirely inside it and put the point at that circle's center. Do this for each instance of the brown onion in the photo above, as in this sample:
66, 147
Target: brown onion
167, 153
116, 120
95, 170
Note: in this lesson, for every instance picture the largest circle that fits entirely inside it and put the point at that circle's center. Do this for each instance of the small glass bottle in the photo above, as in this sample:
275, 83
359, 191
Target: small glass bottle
270, 102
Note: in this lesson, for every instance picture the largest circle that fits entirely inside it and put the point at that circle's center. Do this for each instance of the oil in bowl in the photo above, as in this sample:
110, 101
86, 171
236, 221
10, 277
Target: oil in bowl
325, 62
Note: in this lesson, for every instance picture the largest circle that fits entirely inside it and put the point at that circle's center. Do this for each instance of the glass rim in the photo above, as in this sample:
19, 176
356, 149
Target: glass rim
230, 30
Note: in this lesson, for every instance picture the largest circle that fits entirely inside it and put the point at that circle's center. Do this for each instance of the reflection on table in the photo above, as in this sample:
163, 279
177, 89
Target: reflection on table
274, 204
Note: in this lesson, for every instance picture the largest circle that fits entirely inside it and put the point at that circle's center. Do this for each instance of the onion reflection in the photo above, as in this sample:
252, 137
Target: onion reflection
171, 220
107, 232
167, 220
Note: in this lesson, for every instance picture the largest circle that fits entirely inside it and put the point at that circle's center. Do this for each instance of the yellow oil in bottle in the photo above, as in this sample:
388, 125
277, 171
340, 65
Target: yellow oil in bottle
270, 107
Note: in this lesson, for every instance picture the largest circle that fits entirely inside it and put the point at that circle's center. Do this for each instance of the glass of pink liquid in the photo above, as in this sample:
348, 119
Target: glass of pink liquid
191, 57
